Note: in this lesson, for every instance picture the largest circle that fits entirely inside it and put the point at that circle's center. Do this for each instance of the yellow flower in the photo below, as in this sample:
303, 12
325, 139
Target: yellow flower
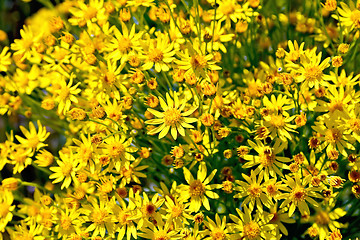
66, 94
132, 172
20, 158
172, 119
100, 216
34, 139
5, 59
160, 231
199, 189
333, 135
216, 230
298, 193
160, 53
124, 43
6, 207
66, 171
254, 191
25, 45
69, 222
325, 219
125, 215
279, 216
311, 70
267, 159
349, 15
194, 61
119, 149
249, 227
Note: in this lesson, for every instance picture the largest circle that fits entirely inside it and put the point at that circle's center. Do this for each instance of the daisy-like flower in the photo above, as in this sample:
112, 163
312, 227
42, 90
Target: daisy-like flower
119, 149
279, 125
298, 193
339, 100
34, 139
147, 209
352, 123
172, 119
124, 43
199, 189
100, 216
249, 227
218, 38
333, 135
5, 59
66, 171
159, 52
177, 210
311, 70
66, 94
280, 104
294, 51
325, 219
349, 15
132, 172
266, 158
342, 80
280, 216
125, 215
20, 158
160, 231
69, 222
6, 207
25, 45
253, 190
193, 61
217, 230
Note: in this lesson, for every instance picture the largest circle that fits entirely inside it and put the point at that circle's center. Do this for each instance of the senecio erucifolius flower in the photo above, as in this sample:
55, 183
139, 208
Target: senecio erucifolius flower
173, 118
199, 189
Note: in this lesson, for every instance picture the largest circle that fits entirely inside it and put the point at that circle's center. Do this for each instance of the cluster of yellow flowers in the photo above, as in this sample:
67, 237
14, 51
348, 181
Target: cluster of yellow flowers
177, 119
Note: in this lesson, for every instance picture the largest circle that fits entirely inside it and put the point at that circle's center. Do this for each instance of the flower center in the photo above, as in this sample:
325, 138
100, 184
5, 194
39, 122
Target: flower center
172, 117
65, 222
149, 209
197, 188
333, 135
66, 169
252, 230
99, 216
116, 149
227, 8
176, 211
126, 172
124, 45
354, 124
313, 73
277, 121
198, 61
299, 193
123, 218
160, 235
217, 234
267, 158
33, 141
90, 13
336, 105
254, 190
109, 78
156, 55
64, 93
